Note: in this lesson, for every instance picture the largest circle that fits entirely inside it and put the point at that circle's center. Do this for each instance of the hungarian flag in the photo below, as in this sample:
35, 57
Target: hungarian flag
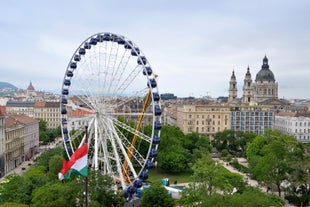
77, 164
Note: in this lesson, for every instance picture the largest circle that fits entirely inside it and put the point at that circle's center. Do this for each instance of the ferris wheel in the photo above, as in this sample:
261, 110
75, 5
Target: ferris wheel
110, 87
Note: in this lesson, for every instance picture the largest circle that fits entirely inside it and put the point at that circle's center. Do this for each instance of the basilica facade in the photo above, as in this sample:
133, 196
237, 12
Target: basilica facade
262, 90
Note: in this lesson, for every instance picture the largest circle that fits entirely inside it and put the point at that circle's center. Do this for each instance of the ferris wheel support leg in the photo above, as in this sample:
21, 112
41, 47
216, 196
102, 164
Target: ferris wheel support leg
96, 144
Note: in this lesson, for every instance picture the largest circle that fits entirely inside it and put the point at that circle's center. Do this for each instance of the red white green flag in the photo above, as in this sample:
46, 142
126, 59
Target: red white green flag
77, 164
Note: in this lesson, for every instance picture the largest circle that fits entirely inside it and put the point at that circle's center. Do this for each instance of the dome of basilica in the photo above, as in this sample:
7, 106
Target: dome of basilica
265, 74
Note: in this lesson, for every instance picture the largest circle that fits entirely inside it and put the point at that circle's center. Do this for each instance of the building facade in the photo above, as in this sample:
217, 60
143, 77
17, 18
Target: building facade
294, 123
204, 119
20, 107
19, 136
49, 112
14, 144
31, 134
251, 119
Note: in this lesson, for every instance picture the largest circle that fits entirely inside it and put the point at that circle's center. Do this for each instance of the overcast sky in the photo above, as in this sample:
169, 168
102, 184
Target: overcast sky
192, 45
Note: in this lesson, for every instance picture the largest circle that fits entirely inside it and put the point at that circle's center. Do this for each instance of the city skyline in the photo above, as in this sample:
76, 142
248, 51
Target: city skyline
192, 46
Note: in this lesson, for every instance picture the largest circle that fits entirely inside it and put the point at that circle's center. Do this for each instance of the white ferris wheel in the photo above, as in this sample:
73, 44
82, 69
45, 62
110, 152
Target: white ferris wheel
110, 87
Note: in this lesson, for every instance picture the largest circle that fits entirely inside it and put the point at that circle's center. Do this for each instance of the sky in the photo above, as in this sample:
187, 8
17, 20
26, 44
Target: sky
193, 45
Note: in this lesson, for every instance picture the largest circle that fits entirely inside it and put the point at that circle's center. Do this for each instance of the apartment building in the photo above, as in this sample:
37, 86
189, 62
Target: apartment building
251, 119
20, 107
204, 119
14, 144
294, 123
31, 134
49, 112
19, 137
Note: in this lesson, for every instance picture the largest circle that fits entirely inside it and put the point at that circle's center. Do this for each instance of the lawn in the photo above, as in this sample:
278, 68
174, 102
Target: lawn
156, 175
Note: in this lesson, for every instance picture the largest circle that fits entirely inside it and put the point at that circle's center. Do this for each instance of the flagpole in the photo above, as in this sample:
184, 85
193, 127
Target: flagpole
86, 178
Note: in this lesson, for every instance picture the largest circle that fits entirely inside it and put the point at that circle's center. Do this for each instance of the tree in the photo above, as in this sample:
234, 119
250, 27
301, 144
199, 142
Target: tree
45, 157
56, 194
298, 191
42, 125
209, 178
195, 145
102, 190
9, 189
34, 178
43, 137
156, 196
171, 154
271, 157
250, 197
9, 204
233, 141
55, 165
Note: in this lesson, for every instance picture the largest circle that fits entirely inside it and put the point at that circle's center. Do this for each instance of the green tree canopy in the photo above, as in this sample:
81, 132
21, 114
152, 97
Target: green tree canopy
272, 156
234, 141
56, 194
209, 178
156, 196
250, 197
171, 154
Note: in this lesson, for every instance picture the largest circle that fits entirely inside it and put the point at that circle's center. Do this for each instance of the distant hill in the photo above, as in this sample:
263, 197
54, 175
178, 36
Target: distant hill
6, 85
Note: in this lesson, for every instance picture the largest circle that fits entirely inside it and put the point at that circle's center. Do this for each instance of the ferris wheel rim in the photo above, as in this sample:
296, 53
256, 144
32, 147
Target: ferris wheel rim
136, 49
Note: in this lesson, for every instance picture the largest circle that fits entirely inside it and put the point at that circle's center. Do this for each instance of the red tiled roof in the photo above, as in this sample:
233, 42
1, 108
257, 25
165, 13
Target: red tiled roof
80, 112
39, 104
22, 119
10, 122
2, 109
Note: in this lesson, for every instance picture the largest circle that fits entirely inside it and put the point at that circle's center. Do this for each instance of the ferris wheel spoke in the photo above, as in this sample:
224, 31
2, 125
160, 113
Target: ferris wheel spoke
110, 65
135, 96
118, 165
119, 71
135, 153
131, 77
132, 130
